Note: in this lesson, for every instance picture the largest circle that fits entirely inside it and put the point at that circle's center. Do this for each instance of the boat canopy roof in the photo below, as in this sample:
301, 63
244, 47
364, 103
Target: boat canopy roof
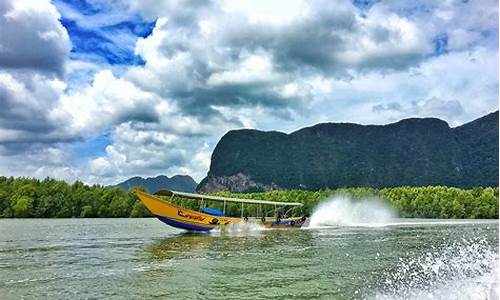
216, 198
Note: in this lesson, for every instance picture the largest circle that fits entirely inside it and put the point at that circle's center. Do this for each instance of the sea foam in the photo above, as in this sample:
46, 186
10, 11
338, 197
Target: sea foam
344, 211
466, 269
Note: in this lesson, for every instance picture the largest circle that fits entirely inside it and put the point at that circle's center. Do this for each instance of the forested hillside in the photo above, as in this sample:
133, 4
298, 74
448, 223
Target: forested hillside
411, 152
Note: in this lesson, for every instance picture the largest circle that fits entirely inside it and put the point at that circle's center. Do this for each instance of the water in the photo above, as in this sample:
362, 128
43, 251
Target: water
143, 258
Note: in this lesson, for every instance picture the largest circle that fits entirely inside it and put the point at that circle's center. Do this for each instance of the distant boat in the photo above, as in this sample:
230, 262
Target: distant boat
209, 218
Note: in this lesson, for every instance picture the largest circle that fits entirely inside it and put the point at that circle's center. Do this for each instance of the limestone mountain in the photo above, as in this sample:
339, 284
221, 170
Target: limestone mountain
411, 152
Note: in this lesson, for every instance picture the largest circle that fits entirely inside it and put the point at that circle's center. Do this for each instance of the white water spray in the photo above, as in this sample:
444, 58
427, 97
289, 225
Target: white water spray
242, 228
467, 269
344, 211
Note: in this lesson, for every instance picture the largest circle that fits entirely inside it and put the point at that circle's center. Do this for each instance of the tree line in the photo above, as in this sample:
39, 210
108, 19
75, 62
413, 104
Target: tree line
49, 198
409, 202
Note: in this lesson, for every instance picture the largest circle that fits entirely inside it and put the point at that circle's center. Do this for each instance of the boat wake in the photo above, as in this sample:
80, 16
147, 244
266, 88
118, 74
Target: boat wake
466, 269
344, 211
242, 228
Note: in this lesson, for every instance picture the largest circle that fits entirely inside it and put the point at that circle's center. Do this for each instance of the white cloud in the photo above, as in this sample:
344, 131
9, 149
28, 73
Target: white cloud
215, 66
254, 68
32, 37
34, 47
461, 39
108, 101
139, 150
27, 99
40, 162
457, 87
385, 39
263, 11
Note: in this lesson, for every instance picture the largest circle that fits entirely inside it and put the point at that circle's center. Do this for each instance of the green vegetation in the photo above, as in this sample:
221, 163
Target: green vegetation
49, 198
410, 202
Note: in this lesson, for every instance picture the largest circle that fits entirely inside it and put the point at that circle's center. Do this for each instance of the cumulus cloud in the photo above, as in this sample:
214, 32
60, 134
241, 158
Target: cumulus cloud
212, 66
32, 37
138, 149
428, 108
40, 162
150, 134
34, 47
213, 58
335, 38
106, 102
457, 87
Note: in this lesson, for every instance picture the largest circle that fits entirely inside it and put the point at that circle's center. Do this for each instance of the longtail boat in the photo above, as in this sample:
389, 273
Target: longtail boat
160, 205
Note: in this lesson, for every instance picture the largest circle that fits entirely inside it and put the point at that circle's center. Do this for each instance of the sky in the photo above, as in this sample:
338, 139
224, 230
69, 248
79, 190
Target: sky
101, 91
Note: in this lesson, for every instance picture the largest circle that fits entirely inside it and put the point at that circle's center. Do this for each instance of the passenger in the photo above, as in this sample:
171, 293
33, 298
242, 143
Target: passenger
278, 218
263, 219
245, 219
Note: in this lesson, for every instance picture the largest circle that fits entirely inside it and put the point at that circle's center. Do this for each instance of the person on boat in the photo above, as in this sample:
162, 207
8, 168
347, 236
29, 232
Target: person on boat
245, 219
278, 218
263, 219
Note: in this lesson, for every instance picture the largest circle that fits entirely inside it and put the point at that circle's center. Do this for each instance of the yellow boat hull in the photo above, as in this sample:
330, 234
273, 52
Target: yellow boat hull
188, 219
181, 217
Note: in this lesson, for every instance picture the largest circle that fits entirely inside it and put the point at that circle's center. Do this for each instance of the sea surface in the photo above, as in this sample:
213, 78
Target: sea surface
143, 258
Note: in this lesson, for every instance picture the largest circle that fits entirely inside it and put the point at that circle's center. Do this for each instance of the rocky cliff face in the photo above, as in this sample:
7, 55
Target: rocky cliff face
413, 152
237, 183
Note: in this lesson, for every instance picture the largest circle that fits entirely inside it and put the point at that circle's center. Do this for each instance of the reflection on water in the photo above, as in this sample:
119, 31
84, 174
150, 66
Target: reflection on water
178, 246
142, 258
226, 244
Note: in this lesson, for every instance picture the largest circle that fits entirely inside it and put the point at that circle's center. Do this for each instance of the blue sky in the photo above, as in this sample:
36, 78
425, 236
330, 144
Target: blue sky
105, 42
92, 146
97, 45
105, 90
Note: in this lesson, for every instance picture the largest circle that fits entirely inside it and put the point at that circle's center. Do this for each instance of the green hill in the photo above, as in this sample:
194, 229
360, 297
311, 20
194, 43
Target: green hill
182, 183
411, 152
